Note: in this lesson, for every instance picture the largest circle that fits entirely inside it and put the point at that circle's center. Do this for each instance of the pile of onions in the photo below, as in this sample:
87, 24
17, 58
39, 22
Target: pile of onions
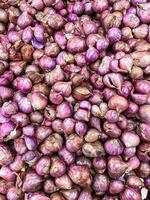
74, 100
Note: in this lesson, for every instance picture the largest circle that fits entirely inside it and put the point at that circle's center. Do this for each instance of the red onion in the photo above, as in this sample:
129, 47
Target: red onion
113, 147
143, 152
129, 193
99, 6
39, 196
113, 80
57, 196
94, 149
74, 143
52, 143
116, 186
63, 182
101, 183
38, 101
14, 194
6, 93
43, 166
47, 63
80, 128
55, 21
20, 146
116, 167
68, 125
63, 88
57, 126
99, 164
130, 139
71, 194
76, 44
118, 103
111, 129
142, 11
91, 54
135, 181
144, 170
147, 182
63, 110
36, 117
27, 34
6, 155
129, 152
20, 119
144, 113
76, 171
143, 131
57, 168
85, 194
7, 174
17, 164
112, 116
32, 182
67, 156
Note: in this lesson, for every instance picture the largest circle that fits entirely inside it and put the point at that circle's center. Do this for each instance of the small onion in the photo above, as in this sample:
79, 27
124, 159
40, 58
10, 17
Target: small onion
130, 192
76, 171
113, 147
116, 186
38, 101
130, 139
32, 182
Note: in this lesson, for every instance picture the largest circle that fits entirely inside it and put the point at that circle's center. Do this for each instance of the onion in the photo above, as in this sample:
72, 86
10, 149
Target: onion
113, 147
130, 192
82, 171
116, 167
144, 113
116, 186
100, 184
118, 103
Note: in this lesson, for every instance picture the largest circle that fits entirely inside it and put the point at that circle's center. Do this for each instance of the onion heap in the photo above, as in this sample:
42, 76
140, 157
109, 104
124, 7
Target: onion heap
74, 100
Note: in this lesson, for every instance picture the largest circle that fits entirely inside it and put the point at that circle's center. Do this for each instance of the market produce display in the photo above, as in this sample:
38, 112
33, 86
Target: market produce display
74, 100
